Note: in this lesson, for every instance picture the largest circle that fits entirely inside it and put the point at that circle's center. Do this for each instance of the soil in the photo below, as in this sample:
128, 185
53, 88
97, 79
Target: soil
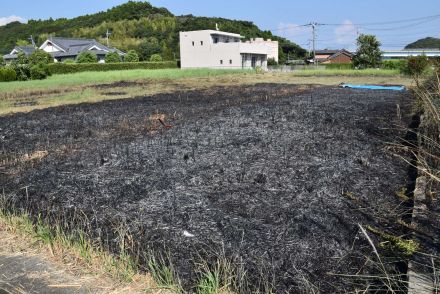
276, 177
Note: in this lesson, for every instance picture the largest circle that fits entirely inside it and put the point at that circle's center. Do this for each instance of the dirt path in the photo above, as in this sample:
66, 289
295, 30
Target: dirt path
24, 269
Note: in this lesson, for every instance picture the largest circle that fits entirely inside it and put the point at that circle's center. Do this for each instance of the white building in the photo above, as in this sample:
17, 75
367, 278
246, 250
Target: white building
402, 54
216, 49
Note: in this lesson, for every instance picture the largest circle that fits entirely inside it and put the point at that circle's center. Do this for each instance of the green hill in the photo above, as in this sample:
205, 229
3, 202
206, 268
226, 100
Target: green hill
429, 42
134, 25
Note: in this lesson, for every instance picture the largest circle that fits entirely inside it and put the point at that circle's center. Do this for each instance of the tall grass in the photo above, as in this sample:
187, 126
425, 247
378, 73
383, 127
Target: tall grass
85, 78
347, 72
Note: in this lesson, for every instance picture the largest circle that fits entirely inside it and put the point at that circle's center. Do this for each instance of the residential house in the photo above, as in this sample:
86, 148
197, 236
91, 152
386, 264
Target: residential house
216, 49
27, 50
333, 56
67, 48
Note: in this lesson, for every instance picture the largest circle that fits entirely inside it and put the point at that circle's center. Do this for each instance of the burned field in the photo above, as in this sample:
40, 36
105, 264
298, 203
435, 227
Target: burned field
273, 177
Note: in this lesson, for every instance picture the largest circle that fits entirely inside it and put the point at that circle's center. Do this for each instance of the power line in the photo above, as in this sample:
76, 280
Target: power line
382, 23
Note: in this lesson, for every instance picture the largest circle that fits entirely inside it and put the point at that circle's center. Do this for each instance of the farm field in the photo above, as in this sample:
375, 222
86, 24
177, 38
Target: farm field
274, 177
94, 86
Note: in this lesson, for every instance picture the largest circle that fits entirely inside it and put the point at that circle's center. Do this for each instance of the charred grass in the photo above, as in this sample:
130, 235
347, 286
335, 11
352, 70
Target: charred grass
252, 188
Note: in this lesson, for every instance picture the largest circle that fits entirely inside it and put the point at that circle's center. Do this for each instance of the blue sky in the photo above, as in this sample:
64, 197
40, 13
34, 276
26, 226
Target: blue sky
348, 17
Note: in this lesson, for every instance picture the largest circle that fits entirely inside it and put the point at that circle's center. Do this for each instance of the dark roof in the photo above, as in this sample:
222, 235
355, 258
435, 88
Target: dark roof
28, 50
74, 46
326, 51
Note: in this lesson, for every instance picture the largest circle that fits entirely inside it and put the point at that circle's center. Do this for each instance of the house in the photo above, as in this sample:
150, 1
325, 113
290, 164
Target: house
27, 50
66, 48
333, 56
69, 48
403, 54
216, 49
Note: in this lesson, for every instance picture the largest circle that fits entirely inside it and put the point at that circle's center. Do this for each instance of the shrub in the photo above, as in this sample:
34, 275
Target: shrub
112, 57
7, 74
86, 57
69, 61
416, 66
395, 64
2, 61
131, 56
39, 71
339, 66
22, 71
21, 58
40, 56
271, 62
63, 68
156, 58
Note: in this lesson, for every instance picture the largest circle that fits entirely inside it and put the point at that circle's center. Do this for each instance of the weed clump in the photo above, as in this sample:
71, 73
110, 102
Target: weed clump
396, 245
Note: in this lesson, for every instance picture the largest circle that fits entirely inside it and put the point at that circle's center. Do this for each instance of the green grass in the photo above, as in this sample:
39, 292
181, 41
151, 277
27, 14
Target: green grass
84, 78
347, 72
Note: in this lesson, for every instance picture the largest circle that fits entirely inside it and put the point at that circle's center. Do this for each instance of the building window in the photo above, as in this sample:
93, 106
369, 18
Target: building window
221, 61
230, 61
215, 40
193, 43
201, 43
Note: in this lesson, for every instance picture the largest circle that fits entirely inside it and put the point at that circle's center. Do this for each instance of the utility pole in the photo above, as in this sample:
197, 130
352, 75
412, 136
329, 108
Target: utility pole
107, 37
313, 24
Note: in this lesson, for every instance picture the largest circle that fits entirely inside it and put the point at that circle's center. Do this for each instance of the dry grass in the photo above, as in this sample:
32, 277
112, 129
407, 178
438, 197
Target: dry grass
67, 261
25, 100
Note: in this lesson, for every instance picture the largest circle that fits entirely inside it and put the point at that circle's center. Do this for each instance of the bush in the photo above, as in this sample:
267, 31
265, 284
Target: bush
86, 57
22, 71
62, 68
112, 57
156, 58
131, 56
395, 64
339, 66
7, 74
2, 61
22, 58
416, 66
39, 71
69, 61
40, 56
271, 62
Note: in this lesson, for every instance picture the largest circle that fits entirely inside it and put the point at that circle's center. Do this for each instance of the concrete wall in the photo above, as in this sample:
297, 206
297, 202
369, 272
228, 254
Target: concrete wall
198, 50
273, 50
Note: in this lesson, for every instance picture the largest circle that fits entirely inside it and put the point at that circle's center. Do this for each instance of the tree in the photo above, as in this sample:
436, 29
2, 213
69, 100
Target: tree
23, 43
112, 57
86, 57
2, 61
416, 66
156, 58
368, 54
148, 48
39, 56
131, 56
22, 58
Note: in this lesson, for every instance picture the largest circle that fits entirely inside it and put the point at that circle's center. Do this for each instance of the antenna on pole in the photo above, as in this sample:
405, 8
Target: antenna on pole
32, 41
107, 35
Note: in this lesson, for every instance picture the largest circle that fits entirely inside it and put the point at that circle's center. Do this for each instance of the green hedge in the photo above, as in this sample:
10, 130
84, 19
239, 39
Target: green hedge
7, 74
339, 66
399, 64
65, 68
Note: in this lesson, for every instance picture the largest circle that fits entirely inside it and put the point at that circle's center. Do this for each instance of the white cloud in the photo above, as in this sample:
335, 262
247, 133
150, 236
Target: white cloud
346, 33
12, 18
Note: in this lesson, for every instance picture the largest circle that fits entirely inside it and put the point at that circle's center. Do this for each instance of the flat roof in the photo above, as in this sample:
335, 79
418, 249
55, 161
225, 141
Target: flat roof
220, 33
